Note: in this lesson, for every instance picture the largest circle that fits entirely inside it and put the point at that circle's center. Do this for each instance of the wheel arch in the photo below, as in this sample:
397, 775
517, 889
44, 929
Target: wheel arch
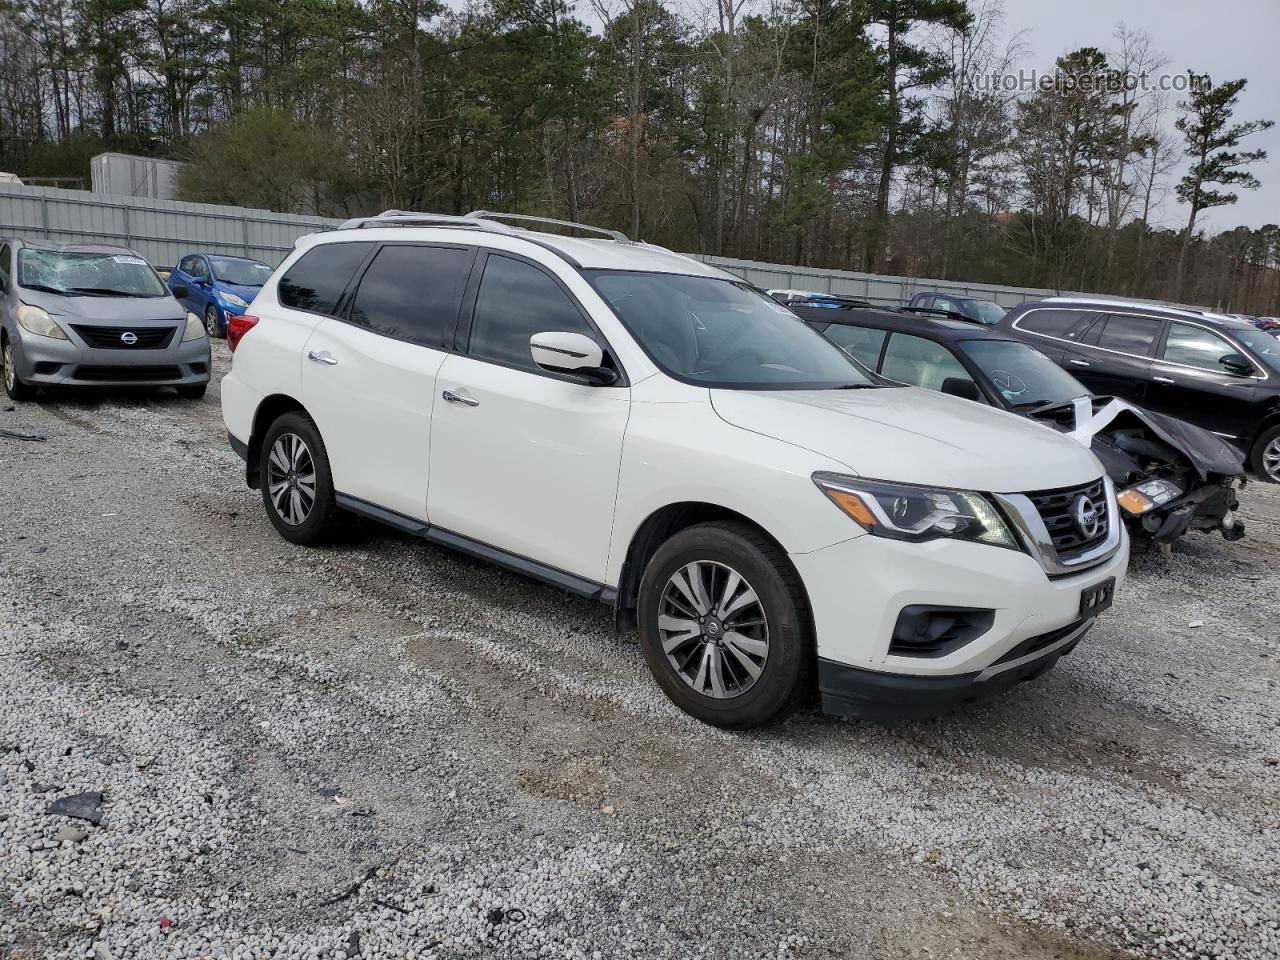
268, 411
658, 527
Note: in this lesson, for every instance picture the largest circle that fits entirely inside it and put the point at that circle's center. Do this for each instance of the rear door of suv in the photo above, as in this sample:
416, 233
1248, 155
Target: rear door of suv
1113, 355
369, 373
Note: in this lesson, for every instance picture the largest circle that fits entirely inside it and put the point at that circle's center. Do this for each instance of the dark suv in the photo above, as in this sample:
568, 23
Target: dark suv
1213, 371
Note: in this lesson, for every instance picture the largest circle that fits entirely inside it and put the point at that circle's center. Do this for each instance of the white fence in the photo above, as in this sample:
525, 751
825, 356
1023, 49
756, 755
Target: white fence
165, 230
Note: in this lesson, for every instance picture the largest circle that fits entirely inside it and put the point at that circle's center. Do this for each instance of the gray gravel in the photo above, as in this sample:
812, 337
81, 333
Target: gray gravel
386, 750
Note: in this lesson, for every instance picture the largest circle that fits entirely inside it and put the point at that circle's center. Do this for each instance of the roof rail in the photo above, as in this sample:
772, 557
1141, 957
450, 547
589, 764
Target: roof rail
617, 236
938, 312
404, 218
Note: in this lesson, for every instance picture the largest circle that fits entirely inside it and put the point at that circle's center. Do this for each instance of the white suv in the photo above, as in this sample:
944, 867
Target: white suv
636, 426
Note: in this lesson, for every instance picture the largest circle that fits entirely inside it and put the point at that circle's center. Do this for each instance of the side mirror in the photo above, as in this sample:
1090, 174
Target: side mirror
1237, 364
180, 291
961, 387
571, 353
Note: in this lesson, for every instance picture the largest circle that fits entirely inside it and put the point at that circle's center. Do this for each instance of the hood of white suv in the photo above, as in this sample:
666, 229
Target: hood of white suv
911, 435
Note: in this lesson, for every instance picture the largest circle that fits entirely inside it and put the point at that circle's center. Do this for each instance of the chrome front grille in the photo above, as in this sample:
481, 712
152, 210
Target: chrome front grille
1057, 508
1047, 523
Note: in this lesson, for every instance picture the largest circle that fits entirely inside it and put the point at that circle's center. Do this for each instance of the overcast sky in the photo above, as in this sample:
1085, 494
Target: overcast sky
1227, 39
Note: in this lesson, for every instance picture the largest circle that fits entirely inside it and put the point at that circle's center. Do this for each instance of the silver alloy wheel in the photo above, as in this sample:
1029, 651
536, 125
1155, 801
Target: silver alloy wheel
210, 322
10, 377
713, 629
1271, 460
291, 479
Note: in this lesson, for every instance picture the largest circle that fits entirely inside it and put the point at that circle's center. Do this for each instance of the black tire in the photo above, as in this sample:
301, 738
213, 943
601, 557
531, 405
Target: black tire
193, 391
785, 678
13, 385
1258, 456
320, 522
211, 328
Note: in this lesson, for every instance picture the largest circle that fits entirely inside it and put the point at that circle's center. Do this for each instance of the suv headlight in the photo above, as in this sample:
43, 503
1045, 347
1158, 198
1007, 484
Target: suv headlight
917, 514
1146, 496
37, 320
232, 299
195, 329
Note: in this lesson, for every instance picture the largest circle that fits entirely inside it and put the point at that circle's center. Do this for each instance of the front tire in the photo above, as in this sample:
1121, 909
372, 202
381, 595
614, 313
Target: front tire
297, 485
13, 385
1265, 457
725, 627
211, 327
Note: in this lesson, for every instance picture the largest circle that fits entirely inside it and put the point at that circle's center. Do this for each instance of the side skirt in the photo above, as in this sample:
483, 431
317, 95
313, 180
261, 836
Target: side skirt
483, 551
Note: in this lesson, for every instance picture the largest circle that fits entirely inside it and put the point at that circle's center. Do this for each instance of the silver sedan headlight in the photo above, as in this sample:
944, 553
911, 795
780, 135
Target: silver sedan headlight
917, 514
195, 329
37, 320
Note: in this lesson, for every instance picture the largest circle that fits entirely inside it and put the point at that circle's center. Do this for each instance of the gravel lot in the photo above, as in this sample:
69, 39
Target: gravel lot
385, 749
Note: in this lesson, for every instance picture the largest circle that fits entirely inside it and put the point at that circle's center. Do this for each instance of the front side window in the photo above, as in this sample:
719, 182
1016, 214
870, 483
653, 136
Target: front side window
242, 273
1024, 376
515, 301
412, 293
198, 269
188, 265
920, 362
861, 343
1125, 333
723, 333
1195, 346
81, 274
987, 311
316, 281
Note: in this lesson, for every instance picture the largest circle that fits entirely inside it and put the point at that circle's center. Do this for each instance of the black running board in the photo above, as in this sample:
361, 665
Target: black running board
483, 551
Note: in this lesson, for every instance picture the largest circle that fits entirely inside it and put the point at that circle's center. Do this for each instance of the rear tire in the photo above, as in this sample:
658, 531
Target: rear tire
1265, 456
13, 385
193, 392
297, 485
725, 626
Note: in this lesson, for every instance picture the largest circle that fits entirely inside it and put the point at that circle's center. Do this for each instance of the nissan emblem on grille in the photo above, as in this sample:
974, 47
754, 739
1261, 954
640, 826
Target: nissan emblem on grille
129, 337
1086, 516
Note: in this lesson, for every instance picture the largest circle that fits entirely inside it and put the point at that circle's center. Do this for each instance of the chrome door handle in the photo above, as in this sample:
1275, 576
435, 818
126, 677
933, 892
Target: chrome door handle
1079, 363
452, 397
1162, 380
324, 356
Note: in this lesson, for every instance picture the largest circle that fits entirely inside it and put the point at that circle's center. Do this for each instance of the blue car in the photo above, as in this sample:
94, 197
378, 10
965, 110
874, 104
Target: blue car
218, 287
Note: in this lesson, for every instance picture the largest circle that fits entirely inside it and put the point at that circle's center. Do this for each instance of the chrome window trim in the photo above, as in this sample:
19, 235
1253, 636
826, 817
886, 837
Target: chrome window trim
1121, 353
1035, 535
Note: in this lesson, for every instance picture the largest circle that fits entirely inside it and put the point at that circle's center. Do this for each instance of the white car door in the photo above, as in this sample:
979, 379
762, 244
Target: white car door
522, 459
368, 378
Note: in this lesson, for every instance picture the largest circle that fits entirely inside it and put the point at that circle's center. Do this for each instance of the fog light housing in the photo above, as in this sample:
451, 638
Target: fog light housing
924, 630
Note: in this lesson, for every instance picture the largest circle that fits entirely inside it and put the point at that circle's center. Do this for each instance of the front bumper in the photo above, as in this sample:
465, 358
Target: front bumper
857, 590
45, 361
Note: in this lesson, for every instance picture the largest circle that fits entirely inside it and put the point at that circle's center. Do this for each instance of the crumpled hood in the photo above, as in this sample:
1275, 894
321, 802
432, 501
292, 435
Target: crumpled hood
912, 435
109, 311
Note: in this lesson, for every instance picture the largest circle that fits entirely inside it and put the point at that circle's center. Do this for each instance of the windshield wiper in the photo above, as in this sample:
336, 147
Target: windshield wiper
103, 292
857, 386
43, 287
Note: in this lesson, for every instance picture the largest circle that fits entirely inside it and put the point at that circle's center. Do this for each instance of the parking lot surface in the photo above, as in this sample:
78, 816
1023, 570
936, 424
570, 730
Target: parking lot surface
384, 749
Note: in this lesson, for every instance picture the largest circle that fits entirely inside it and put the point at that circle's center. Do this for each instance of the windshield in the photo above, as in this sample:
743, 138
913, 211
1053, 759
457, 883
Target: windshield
718, 333
1024, 376
987, 311
88, 274
1263, 346
244, 273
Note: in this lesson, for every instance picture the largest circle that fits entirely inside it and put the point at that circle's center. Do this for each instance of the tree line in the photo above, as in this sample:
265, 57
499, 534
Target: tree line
869, 135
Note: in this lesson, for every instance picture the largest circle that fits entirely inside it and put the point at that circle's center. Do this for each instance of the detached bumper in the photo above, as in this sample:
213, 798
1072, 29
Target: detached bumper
870, 695
49, 362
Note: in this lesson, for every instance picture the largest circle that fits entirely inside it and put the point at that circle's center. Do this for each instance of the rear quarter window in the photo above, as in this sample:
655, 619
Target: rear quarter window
315, 283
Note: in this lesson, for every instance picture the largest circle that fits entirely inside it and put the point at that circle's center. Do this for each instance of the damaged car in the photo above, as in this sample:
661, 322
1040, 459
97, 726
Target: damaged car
1170, 476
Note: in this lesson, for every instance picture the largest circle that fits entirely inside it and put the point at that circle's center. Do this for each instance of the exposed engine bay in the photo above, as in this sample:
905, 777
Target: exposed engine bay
1170, 476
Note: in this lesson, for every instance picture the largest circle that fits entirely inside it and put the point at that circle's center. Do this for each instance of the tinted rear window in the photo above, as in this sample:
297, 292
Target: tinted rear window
1129, 334
412, 293
1053, 323
316, 281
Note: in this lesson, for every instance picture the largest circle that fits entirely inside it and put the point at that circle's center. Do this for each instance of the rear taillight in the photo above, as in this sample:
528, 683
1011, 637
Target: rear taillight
237, 327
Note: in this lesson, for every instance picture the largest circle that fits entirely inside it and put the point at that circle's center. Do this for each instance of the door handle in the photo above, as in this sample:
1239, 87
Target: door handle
324, 356
452, 397
1079, 363
1162, 380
